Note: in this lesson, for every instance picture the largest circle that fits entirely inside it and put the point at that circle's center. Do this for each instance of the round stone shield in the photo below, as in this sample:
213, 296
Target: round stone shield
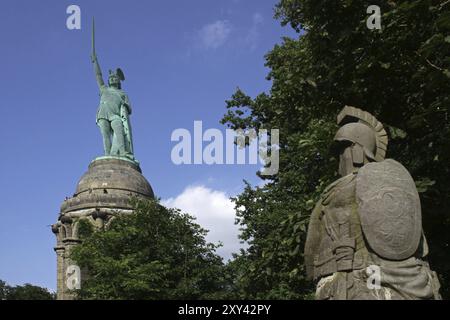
389, 208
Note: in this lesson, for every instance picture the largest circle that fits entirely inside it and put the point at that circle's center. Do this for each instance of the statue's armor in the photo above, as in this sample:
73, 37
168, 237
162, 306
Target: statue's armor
338, 251
111, 101
335, 241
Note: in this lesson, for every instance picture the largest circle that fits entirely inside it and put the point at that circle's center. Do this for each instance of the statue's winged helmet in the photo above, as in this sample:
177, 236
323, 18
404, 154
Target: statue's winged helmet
362, 128
118, 73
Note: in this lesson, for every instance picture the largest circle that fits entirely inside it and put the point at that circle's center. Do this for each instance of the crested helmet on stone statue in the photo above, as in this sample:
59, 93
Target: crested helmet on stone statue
363, 129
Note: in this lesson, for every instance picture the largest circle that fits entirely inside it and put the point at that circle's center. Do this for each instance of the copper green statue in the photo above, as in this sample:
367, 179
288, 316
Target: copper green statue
113, 111
365, 239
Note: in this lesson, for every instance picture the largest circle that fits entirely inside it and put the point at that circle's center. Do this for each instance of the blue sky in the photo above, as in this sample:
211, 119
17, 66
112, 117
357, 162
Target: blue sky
182, 60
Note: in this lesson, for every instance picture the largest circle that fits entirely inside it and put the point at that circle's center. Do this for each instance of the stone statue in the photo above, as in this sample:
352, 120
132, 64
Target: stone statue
365, 239
113, 112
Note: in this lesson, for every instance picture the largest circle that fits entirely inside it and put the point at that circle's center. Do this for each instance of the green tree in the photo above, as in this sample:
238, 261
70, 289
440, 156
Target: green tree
155, 253
4, 289
399, 73
25, 292
29, 292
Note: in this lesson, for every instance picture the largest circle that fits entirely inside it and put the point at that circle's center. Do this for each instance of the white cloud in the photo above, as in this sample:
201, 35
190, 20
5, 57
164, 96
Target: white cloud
221, 32
214, 212
214, 35
253, 35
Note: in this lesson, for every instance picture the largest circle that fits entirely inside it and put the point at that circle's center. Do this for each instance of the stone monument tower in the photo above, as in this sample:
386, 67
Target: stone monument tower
102, 193
105, 190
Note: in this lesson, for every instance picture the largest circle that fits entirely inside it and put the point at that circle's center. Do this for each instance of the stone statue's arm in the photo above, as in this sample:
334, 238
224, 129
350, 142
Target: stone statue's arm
98, 72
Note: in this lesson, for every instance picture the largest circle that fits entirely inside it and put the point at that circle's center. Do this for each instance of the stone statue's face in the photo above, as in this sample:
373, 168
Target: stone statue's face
346, 161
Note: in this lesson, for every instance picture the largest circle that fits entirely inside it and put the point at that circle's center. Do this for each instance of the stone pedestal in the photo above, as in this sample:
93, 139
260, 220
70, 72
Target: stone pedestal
103, 192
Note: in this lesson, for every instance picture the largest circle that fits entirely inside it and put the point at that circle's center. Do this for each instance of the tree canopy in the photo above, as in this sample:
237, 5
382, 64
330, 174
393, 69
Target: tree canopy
154, 254
25, 292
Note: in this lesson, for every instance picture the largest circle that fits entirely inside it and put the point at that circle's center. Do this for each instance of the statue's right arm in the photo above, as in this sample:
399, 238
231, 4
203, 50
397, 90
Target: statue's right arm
98, 72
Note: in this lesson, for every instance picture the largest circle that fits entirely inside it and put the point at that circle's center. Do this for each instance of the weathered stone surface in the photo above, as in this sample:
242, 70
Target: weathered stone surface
389, 208
109, 183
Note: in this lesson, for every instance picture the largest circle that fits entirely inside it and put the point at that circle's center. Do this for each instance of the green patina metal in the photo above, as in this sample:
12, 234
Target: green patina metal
113, 114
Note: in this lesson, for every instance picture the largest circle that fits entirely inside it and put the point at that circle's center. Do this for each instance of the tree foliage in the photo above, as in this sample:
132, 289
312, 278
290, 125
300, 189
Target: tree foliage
156, 253
25, 292
399, 73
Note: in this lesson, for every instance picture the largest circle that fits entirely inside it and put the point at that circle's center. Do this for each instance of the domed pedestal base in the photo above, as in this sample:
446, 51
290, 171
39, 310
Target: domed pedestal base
103, 192
110, 182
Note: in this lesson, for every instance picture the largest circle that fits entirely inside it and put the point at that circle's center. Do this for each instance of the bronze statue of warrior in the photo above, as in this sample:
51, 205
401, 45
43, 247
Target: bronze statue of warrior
365, 238
113, 111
